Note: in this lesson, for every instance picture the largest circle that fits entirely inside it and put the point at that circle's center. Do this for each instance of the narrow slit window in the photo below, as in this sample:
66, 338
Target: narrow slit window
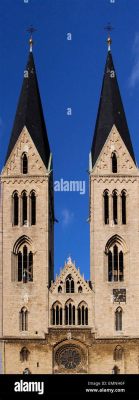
114, 163
33, 208
115, 208
15, 208
24, 164
118, 319
123, 198
24, 208
106, 208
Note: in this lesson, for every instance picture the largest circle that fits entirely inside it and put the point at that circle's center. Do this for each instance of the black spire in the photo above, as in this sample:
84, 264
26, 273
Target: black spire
110, 112
30, 114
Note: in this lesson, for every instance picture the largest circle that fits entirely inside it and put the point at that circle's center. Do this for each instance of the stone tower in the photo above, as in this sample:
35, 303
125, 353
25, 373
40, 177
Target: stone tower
114, 215
27, 218
69, 325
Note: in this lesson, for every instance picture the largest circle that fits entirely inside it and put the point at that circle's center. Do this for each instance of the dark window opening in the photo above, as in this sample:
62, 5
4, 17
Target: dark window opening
115, 265
69, 314
110, 277
118, 319
24, 319
118, 353
82, 314
24, 208
25, 265
24, 354
69, 284
114, 163
15, 208
80, 289
24, 164
33, 208
123, 208
106, 208
115, 208
56, 314
121, 266
116, 370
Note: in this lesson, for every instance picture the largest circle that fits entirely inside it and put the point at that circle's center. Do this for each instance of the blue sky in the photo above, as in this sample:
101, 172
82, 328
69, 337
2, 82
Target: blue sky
70, 75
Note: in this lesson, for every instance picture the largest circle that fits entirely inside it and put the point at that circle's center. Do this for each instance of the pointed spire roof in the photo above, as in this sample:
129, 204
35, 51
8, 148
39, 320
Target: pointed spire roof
30, 113
110, 112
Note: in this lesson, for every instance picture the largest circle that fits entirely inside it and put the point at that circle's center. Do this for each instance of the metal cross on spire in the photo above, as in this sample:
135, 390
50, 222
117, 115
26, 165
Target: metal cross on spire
109, 28
31, 30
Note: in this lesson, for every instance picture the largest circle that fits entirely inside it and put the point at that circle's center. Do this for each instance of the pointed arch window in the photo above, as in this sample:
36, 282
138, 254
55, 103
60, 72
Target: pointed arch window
69, 284
123, 200
114, 163
115, 207
24, 354
82, 312
118, 319
25, 265
118, 353
80, 289
70, 313
24, 161
57, 314
106, 207
115, 264
23, 319
33, 207
15, 208
24, 208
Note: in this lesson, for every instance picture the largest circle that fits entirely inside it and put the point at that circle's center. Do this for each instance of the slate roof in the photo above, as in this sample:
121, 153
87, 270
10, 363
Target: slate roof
110, 112
30, 114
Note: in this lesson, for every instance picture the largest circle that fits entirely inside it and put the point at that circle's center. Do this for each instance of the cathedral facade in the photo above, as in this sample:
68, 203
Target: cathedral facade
69, 325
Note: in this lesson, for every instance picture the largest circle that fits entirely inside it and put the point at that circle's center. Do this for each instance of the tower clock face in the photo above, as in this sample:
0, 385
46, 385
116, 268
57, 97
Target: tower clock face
69, 357
119, 295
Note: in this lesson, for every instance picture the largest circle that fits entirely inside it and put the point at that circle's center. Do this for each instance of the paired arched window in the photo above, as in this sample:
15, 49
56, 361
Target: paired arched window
114, 163
118, 353
25, 265
15, 208
24, 354
69, 313
115, 264
106, 207
23, 319
82, 314
115, 208
118, 319
69, 284
24, 162
57, 314
123, 206
33, 207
